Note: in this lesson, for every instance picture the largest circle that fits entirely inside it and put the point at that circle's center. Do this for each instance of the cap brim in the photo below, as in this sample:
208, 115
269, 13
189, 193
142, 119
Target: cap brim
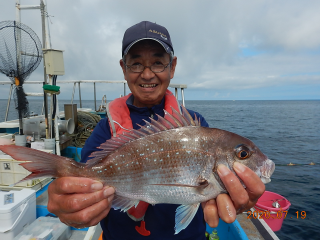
166, 47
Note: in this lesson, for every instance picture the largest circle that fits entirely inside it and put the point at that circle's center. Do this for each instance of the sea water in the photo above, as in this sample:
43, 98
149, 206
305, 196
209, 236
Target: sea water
286, 131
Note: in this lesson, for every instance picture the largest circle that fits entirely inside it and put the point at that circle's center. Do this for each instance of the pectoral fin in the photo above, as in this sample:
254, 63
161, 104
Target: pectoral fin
123, 203
184, 215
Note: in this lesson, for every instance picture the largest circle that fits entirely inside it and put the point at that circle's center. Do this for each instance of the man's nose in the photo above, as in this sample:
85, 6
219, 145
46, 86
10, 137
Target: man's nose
147, 73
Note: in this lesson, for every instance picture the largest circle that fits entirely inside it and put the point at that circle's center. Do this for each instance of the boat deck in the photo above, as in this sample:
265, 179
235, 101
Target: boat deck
249, 228
256, 229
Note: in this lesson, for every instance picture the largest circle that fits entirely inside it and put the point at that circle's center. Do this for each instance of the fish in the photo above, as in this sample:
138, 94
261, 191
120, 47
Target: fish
171, 160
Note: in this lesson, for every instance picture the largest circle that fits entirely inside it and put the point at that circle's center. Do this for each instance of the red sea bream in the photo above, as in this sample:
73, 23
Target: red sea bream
171, 160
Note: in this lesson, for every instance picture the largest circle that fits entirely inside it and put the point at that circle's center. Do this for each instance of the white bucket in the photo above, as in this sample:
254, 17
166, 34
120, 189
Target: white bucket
21, 140
50, 144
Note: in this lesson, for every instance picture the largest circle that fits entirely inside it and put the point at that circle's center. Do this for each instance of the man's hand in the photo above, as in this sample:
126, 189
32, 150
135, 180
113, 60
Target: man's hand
79, 202
238, 199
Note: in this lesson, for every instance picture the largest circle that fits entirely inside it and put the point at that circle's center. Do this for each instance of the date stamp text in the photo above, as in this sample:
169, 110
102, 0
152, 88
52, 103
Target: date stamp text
279, 214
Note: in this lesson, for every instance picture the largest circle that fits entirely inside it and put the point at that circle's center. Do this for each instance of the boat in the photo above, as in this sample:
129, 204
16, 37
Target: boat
246, 226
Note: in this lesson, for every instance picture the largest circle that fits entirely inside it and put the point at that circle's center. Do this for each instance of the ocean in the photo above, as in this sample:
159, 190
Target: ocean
286, 131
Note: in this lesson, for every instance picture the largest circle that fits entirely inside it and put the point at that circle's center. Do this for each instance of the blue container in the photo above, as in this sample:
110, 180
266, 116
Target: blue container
231, 231
72, 152
42, 210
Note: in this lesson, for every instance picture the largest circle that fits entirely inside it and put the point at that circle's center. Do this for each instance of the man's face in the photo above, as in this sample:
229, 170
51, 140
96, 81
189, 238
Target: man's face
147, 87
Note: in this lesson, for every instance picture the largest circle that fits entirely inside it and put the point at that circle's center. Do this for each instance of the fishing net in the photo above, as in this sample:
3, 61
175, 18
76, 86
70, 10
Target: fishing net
20, 55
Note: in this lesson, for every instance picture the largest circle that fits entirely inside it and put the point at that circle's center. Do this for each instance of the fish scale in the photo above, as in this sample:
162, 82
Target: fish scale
176, 165
167, 161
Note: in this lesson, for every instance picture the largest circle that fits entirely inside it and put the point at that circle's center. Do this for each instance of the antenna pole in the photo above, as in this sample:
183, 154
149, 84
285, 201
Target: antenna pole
45, 98
47, 30
47, 40
18, 16
18, 57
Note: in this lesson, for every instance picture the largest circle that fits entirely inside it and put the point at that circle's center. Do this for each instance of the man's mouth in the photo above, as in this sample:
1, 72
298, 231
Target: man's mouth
148, 85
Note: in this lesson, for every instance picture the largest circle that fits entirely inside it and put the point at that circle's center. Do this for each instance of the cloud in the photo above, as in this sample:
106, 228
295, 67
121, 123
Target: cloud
209, 39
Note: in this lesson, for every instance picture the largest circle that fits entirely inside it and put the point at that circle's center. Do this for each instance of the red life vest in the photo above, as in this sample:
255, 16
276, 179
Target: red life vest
117, 110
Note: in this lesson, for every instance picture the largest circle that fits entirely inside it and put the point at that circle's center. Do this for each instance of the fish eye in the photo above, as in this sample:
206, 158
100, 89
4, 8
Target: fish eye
242, 152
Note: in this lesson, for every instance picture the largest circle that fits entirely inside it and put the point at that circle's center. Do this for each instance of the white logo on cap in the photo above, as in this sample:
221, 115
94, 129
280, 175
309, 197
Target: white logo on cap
163, 37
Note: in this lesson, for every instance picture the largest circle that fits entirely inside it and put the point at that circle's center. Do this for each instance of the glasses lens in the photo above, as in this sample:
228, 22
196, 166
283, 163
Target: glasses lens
137, 68
157, 67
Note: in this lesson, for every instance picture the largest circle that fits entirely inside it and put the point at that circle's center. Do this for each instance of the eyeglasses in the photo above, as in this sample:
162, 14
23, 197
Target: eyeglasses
157, 67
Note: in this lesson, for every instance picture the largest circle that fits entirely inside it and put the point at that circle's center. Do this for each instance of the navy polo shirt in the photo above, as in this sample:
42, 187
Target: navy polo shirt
160, 218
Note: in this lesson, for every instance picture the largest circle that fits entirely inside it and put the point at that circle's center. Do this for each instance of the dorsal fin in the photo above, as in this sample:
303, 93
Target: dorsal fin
175, 122
187, 116
158, 124
170, 121
180, 117
164, 122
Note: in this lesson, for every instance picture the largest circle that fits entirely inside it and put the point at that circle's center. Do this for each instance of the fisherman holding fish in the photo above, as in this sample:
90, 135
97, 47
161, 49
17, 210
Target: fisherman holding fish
170, 134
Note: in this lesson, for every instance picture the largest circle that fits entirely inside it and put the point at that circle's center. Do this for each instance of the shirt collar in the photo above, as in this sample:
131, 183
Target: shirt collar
156, 108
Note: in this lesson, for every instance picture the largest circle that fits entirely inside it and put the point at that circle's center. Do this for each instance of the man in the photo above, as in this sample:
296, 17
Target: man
148, 65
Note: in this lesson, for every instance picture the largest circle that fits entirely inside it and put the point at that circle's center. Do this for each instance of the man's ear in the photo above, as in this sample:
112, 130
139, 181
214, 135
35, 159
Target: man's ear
123, 66
173, 67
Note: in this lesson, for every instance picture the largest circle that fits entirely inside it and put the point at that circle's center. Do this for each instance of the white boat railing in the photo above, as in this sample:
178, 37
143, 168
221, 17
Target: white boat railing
75, 82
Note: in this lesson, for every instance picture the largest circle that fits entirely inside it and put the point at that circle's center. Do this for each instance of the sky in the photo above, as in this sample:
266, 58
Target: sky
226, 50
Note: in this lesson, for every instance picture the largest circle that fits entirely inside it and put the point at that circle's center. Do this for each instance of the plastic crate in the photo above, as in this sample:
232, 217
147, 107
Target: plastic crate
11, 172
14, 216
45, 228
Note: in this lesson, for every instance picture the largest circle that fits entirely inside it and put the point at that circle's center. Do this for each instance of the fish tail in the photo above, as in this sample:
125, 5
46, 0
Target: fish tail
41, 164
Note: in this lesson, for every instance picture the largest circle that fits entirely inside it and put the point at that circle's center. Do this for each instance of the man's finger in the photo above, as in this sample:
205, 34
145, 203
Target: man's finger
65, 185
234, 187
72, 203
254, 186
226, 210
210, 212
89, 216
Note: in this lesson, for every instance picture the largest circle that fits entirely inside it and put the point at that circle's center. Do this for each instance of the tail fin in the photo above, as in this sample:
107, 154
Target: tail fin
41, 164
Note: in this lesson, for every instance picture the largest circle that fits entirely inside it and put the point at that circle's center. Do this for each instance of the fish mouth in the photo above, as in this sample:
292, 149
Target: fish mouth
267, 170
265, 180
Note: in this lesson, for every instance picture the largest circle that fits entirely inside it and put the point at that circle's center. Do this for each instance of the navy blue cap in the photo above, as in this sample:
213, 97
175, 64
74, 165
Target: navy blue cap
146, 30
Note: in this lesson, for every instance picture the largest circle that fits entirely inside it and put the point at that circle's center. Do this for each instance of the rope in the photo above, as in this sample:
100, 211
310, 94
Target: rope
86, 123
298, 164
